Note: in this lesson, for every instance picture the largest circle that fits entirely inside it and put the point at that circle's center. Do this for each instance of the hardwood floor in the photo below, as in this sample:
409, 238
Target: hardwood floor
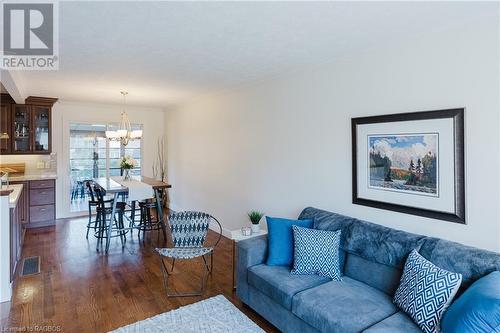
81, 290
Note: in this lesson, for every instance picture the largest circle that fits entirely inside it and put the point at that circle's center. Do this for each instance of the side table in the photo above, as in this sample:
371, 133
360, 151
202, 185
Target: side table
237, 236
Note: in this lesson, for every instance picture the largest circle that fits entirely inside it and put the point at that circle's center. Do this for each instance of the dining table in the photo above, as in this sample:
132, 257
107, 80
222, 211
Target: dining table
112, 188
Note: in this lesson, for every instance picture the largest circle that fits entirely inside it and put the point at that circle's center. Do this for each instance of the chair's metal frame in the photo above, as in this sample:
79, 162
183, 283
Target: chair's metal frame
103, 215
92, 224
146, 220
207, 269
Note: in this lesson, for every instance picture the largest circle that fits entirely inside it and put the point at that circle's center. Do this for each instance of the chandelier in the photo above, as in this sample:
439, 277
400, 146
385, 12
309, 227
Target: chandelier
124, 133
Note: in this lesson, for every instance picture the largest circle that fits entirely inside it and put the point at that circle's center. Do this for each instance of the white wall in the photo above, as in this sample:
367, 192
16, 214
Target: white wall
284, 144
152, 120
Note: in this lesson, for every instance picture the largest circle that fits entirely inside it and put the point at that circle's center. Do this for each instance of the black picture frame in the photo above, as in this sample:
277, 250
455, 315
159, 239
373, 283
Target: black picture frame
458, 216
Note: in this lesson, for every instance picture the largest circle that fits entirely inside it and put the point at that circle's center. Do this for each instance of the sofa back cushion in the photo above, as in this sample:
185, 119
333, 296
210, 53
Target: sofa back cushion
477, 310
382, 277
376, 254
471, 262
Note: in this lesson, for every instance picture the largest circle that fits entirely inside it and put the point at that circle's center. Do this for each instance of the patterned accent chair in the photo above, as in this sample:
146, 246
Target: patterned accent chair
189, 232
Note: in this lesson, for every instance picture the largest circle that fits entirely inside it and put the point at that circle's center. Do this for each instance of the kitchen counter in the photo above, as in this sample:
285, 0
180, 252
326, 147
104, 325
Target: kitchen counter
11, 236
14, 195
34, 176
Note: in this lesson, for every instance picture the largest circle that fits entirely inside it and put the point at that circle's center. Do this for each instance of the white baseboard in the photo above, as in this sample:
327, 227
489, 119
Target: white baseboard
172, 206
225, 232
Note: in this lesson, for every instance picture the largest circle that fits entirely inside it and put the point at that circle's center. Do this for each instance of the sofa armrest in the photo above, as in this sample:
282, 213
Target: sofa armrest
251, 252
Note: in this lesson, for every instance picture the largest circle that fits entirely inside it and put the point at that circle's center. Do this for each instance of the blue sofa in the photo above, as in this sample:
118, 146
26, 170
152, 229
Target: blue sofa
372, 258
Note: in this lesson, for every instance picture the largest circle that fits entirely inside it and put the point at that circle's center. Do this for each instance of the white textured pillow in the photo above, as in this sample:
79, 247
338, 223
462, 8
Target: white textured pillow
425, 291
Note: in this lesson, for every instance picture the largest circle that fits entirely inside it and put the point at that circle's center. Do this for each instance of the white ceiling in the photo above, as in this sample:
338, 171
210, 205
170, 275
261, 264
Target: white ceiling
164, 53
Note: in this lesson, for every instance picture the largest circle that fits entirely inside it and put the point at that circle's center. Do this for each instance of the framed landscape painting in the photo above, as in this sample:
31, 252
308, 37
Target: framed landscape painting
411, 163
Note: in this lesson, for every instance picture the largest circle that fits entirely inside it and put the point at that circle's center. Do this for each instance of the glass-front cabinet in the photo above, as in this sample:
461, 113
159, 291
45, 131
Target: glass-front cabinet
25, 128
5, 130
41, 129
21, 128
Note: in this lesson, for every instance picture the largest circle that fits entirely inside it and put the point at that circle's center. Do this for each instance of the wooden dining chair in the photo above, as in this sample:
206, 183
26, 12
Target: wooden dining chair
189, 232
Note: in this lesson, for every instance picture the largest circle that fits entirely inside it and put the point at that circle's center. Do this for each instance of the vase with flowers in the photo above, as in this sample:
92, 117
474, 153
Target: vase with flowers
127, 163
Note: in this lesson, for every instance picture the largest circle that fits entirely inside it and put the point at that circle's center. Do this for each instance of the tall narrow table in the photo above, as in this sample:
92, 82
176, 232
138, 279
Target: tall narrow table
109, 186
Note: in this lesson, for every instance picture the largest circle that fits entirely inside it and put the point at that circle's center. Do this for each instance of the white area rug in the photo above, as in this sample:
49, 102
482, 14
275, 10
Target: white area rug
212, 315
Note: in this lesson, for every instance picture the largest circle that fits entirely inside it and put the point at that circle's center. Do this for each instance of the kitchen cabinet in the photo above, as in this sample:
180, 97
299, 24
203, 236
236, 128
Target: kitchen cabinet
16, 238
24, 203
42, 197
41, 129
21, 129
37, 203
5, 130
28, 126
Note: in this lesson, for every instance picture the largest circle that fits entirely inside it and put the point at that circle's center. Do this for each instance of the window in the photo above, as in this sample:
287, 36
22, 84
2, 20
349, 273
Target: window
117, 151
92, 155
87, 151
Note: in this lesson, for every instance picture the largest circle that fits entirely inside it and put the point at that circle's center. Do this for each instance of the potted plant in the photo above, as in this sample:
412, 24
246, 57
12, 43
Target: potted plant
127, 163
255, 217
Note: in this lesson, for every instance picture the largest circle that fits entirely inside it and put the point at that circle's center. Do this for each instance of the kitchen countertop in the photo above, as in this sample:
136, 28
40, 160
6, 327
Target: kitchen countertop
34, 176
15, 194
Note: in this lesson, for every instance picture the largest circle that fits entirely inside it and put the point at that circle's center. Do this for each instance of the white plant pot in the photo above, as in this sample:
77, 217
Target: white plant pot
255, 228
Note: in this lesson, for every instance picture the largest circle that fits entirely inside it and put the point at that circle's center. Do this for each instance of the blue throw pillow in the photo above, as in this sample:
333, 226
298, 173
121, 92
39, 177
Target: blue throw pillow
316, 252
425, 291
477, 310
280, 239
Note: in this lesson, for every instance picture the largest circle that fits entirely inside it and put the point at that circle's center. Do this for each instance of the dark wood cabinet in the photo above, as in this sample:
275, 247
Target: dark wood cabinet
24, 202
21, 128
28, 125
42, 207
37, 204
16, 238
5, 124
41, 129
42, 196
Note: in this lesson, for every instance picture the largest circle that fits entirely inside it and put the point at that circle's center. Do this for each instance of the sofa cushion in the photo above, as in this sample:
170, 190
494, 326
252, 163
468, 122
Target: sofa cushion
278, 284
397, 323
477, 310
316, 252
426, 291
273, 312
471, 262
342, 306
383, 277
391, 247
371, 241
280, 237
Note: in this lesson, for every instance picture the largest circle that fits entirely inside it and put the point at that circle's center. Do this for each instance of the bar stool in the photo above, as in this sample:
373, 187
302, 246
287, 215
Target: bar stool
147, 222
93, 204
78, 190
104, 210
